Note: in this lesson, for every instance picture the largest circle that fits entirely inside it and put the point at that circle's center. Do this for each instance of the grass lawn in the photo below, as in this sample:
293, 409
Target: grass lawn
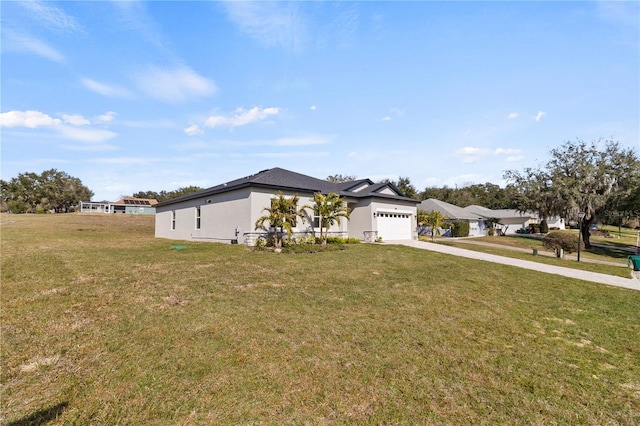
507, 250
616, 250
103, 324
626, 237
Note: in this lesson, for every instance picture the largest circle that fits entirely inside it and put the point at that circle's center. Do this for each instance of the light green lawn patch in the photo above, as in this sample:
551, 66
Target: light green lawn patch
103, 324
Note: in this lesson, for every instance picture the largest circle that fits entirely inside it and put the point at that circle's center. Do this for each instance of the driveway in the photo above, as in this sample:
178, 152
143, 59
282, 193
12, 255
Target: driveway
612, 280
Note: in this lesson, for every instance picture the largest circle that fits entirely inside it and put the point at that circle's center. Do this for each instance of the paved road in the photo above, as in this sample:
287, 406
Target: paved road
612, 280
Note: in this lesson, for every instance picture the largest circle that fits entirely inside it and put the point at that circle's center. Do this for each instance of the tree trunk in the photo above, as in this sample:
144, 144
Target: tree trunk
586, 235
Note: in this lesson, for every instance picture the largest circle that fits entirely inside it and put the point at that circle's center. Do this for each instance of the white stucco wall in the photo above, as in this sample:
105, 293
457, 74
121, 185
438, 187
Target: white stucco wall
220, 215
360, 219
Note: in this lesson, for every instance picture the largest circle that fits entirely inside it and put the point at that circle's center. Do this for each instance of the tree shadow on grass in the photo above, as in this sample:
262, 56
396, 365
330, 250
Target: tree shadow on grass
612, 252
41, 417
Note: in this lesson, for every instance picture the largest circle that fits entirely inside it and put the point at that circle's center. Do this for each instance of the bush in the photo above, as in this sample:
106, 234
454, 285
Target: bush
17, 206
460, 229
491, 232
560, 240
340, 240
544, 226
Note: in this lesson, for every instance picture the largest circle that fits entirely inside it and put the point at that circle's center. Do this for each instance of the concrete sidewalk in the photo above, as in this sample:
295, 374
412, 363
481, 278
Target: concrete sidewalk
612, 280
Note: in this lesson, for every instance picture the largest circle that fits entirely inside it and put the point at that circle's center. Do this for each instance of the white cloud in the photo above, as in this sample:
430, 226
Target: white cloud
12, 41
36, 119
386, 118
75, 119
174, 85
313, 108
397, 111
470, 154
30, 119
539, 116
193, 130
133, 16
105, 118
51, 16
507, 151
241, 117
269, 23
85, 135
111, 91
469, 150
513, 115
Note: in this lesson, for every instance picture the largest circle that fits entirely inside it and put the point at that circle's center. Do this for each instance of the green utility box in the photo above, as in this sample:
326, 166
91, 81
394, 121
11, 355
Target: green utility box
635, 261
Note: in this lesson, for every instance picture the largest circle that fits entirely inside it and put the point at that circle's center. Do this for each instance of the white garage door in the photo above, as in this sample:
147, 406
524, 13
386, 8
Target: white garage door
394, 226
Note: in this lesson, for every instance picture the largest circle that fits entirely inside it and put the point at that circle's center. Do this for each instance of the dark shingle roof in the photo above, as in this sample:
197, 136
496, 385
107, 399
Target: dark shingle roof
282, 179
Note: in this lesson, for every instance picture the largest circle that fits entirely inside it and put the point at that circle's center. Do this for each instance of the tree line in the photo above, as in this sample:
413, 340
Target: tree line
582, 182
167, 195
51, 190
487, 194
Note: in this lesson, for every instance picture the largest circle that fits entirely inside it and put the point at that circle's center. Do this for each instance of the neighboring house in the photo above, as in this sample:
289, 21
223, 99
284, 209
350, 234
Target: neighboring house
228, 212
127, 205
454, 213
514, 220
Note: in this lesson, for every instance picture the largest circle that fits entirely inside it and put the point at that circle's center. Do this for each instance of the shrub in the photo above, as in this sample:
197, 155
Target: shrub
335, 240
17, 206
560, 240
491, 232
544, 226
460, 229
340, 240
260, 244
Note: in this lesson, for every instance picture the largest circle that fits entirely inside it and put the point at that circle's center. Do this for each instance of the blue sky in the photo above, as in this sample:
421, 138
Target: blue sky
136, 96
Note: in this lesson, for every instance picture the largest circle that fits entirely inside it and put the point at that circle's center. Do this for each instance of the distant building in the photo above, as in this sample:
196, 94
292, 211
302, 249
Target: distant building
127, 205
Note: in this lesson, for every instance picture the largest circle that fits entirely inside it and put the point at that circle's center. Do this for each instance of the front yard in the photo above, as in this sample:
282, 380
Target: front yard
103, 324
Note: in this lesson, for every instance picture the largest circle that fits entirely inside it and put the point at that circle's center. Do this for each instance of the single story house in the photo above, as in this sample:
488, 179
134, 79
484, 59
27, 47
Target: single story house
228, 212
454, 213
513, 220
127, 205
509, 220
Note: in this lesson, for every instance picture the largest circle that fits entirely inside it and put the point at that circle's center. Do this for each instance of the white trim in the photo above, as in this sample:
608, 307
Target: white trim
394, 211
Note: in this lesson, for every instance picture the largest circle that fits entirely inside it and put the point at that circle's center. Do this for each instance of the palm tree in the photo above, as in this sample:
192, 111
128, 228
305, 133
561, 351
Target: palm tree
434, 219
329, 209
281, 216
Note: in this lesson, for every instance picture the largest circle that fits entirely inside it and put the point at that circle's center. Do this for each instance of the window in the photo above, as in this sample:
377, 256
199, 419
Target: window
198, 217
173, 219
